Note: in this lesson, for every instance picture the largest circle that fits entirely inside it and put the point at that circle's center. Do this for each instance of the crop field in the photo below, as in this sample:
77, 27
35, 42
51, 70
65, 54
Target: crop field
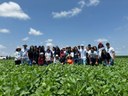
64, 80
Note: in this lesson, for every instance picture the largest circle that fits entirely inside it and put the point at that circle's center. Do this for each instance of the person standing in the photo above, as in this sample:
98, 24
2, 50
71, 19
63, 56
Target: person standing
41, 59
76, 55
100, 48
83, 55
25, 58
18, 56
48, 56
31, 55
111, 51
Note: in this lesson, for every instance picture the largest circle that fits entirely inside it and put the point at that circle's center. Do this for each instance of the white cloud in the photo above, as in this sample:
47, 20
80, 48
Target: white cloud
25, 39
34, 32
69, 13
81, 3
76, 10
12, 10
101, 40
49, 42
2, 46
92, 3
4, 31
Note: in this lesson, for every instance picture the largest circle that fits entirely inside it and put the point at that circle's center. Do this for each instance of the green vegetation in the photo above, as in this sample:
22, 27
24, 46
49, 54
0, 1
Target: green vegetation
64, 80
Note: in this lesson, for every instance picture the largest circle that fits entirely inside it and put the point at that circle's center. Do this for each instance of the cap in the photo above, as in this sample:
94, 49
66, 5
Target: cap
25, 45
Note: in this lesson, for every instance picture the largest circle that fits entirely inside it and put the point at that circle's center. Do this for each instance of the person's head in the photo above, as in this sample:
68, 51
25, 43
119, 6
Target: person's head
95, 48
61, 51
82, 47
89, 46
104, 51
57, 48
108, 45
78, 47
75, 49
18, 49
31, 48
53, 48
41, 54
92, 49
48, 47
25, 46
64, 49
72, 49
69, 57
57, 57
100, 45
42, 47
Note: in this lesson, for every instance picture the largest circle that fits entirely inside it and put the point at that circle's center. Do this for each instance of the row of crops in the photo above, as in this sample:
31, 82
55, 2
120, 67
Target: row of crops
64, 80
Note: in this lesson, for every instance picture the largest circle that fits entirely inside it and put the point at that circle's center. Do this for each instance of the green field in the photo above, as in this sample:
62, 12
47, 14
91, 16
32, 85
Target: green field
64, 80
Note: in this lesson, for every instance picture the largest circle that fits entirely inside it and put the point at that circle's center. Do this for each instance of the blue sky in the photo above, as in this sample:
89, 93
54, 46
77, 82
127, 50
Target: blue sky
62, 23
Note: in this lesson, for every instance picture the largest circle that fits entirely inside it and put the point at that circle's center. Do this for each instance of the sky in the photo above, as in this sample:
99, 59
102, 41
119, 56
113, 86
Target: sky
63, 23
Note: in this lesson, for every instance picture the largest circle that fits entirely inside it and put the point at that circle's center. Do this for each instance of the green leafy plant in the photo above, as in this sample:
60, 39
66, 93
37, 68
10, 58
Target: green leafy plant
64, 80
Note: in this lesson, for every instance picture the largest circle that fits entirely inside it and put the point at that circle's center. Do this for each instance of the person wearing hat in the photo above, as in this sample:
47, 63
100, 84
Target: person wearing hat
111, 51
25, 58
70, 59
57, 59
18, 56
41, 59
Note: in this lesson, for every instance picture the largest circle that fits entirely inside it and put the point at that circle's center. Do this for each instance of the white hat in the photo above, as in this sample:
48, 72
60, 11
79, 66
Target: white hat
18, 47
41, 53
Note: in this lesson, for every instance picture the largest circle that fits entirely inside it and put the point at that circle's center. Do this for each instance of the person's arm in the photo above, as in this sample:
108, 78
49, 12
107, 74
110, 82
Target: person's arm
89, 57
113, 53
96, 57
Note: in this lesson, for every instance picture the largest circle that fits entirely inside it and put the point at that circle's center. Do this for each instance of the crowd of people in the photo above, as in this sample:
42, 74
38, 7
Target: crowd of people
86, 55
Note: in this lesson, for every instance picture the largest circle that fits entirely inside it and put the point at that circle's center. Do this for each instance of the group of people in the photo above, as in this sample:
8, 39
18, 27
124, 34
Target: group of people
91, 55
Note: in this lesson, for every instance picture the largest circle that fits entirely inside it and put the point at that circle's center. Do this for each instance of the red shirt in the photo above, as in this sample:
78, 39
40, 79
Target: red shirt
41, 60
70, 61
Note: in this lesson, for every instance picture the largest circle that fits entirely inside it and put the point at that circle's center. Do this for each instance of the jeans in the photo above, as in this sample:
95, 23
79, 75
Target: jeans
25, 60
30, 62
110, 63
76, 60
83, 61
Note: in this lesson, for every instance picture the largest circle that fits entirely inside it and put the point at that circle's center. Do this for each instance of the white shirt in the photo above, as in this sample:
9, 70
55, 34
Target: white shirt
48, 56
110, 51
18, 55
92, 55
25, 53
72, 54
100, 51
83, 53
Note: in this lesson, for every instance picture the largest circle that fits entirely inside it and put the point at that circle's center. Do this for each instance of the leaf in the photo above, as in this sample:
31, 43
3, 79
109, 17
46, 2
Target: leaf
60, 92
